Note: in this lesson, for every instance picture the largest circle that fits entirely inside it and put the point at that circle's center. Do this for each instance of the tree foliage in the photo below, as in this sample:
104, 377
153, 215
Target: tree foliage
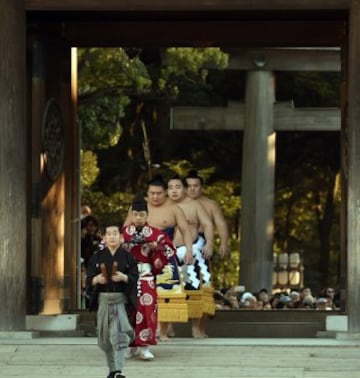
89, 168
307, 212
110, 79
107, 77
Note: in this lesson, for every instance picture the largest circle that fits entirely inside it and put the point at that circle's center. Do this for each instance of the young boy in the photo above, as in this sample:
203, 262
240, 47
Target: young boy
151, 248
113, 274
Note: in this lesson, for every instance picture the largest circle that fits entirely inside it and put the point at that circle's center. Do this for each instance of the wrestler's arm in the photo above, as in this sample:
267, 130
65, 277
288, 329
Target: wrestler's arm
221, 226
185, 232
208, 228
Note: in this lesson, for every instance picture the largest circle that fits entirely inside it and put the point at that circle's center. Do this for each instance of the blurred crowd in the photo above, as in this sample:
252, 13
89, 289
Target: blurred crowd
304, 299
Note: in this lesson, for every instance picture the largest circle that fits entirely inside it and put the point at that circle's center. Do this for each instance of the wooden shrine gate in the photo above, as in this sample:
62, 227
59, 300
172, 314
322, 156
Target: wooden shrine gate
259, 156
39, 142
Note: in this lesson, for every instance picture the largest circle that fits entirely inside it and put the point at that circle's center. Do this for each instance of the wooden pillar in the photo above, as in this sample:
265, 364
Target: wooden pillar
54, 176
72, 190
258, 183
13, 166
54, 215
37, 109
353, 204
344, 139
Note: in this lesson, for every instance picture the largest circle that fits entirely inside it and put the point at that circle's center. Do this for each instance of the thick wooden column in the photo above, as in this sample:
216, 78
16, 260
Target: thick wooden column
72, 189
344, 139
258, 183
353, 204
54, 215
37, 108
13, 166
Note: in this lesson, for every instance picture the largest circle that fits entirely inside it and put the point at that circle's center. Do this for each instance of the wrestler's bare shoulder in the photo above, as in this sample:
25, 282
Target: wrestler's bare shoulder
171, 206
207, 202
189, 201
169, 202
189, 205
193, 204
168, 206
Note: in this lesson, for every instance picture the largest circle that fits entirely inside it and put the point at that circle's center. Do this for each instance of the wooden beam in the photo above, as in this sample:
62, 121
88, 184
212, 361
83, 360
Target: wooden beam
207, 33
186, 4
286, 118
285, 59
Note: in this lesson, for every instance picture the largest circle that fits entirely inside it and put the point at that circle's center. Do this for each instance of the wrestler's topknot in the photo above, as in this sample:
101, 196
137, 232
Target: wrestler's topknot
193, 173
178, 177
158, 181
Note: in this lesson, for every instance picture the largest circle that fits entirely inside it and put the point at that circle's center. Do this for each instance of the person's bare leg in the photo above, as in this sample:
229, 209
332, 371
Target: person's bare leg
202, 327
163, 328
171, 332
196, 332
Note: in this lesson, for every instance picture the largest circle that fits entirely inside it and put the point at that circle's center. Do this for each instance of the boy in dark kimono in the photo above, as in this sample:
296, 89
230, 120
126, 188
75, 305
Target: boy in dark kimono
112, 273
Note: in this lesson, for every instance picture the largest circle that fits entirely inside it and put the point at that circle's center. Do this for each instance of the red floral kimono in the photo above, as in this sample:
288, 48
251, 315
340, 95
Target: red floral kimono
150, 247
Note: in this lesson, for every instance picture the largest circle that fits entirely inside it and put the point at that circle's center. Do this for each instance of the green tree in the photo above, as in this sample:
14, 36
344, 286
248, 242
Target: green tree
107, 80
111, 78
89, 168
121, 90
307, 212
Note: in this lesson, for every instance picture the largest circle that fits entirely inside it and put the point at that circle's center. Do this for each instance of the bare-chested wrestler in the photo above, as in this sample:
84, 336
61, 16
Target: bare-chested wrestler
194, 190
165, 215
196, 217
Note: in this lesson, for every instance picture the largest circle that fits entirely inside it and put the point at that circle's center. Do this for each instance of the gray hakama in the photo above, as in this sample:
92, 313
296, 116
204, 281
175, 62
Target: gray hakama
114, 331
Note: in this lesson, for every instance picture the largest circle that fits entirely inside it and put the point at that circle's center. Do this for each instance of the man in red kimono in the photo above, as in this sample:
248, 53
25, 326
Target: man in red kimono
151, 248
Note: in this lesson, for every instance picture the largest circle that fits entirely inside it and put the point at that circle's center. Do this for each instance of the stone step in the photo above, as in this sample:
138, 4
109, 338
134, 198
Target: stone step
248, 323
60, 333
254, 330
49, 323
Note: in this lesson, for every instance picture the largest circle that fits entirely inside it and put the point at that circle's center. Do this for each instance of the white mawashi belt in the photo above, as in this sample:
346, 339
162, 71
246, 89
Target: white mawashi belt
144, 269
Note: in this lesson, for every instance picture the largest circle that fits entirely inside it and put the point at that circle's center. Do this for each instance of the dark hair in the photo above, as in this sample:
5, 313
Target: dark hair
158, 181
110, 224
218, 296
89, 219
193, 174
178, 177
139, 203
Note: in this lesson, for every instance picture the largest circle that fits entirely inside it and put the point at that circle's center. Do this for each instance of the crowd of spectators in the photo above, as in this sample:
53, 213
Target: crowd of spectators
304, 299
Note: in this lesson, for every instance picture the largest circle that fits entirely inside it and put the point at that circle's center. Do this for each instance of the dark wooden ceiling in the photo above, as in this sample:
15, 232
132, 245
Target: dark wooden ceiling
285, 27
190, 5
